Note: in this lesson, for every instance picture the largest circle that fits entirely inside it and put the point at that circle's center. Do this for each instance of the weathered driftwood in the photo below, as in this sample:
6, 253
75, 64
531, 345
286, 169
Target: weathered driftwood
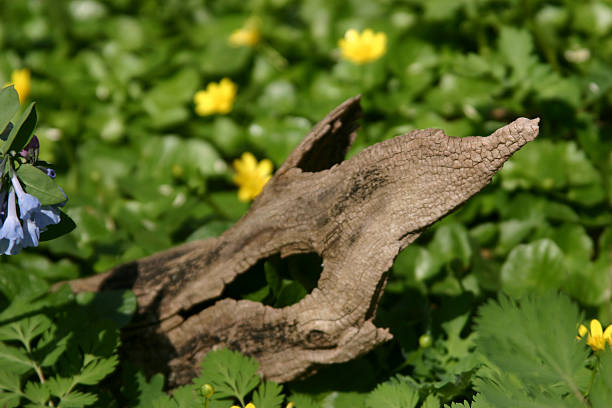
356, 214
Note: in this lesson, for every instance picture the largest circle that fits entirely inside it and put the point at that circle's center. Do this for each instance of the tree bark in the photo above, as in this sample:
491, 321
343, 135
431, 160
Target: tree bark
356, 214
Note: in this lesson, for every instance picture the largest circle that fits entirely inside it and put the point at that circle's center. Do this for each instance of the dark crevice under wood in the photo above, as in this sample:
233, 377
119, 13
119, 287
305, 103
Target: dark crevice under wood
357, 214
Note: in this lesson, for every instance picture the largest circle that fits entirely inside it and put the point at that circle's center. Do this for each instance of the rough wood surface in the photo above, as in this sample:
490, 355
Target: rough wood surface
356, 214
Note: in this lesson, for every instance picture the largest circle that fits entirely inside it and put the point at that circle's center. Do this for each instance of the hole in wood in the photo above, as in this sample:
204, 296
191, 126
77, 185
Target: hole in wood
276, 281
273, 281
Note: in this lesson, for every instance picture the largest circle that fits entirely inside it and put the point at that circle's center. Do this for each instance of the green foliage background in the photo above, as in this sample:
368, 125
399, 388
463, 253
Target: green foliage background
114, 82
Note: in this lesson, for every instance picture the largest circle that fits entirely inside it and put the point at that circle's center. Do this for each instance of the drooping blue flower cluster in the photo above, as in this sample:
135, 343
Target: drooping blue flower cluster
22, 217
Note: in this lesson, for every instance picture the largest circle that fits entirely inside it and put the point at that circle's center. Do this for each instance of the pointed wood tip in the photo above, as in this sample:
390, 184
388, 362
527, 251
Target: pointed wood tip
527, 128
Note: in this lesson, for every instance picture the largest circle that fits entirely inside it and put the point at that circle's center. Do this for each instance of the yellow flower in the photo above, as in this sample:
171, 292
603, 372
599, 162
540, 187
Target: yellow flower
597, 337
248, 35
365, 47
20, 78
249, 405
251, 177
290, 405
217, 98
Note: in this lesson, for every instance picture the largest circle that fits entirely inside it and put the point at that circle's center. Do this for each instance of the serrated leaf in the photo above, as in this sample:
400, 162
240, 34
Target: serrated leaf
431, 402
463, 404
303, 401
163, 402
49, 349
96, 370
601, 393
59, 386
480, 402
9, 381
503, 390
268, 395
393, 394
138, 392
230, 373
36, 392
40, 185
25, 330
14, 359
535, 266
77, 399
9, 399
22, 131
9, 104
537, 356
188, 397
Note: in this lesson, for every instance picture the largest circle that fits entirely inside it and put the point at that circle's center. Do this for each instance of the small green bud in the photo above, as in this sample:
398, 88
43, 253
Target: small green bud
207, 390
177, 171
425, 341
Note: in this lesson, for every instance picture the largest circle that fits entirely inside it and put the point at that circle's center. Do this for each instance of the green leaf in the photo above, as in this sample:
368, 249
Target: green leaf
15, 284
50, 347
9, 104
22, 131
59, 386
96, 370
601, 393
204, 157
431, 402
228, 204
393, 394
441, 9
231, 374
116, 305
268, 395
9, 381
535, 358
9, 399
188, 396
40, 185
464, 404
164, 102
25, 330
14, 359
36, 392
210, 230
290, 293
77, 399
537, 164
348, 399
535, 266
574, 241
303, 401
450, 242
516, 46
135, 388
511, 233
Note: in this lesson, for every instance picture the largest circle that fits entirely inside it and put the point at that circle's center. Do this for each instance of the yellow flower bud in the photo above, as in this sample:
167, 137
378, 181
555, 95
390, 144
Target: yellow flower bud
207, 390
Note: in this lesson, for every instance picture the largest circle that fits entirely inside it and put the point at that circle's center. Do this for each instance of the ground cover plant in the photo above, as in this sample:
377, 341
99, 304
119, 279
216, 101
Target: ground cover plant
163, 119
